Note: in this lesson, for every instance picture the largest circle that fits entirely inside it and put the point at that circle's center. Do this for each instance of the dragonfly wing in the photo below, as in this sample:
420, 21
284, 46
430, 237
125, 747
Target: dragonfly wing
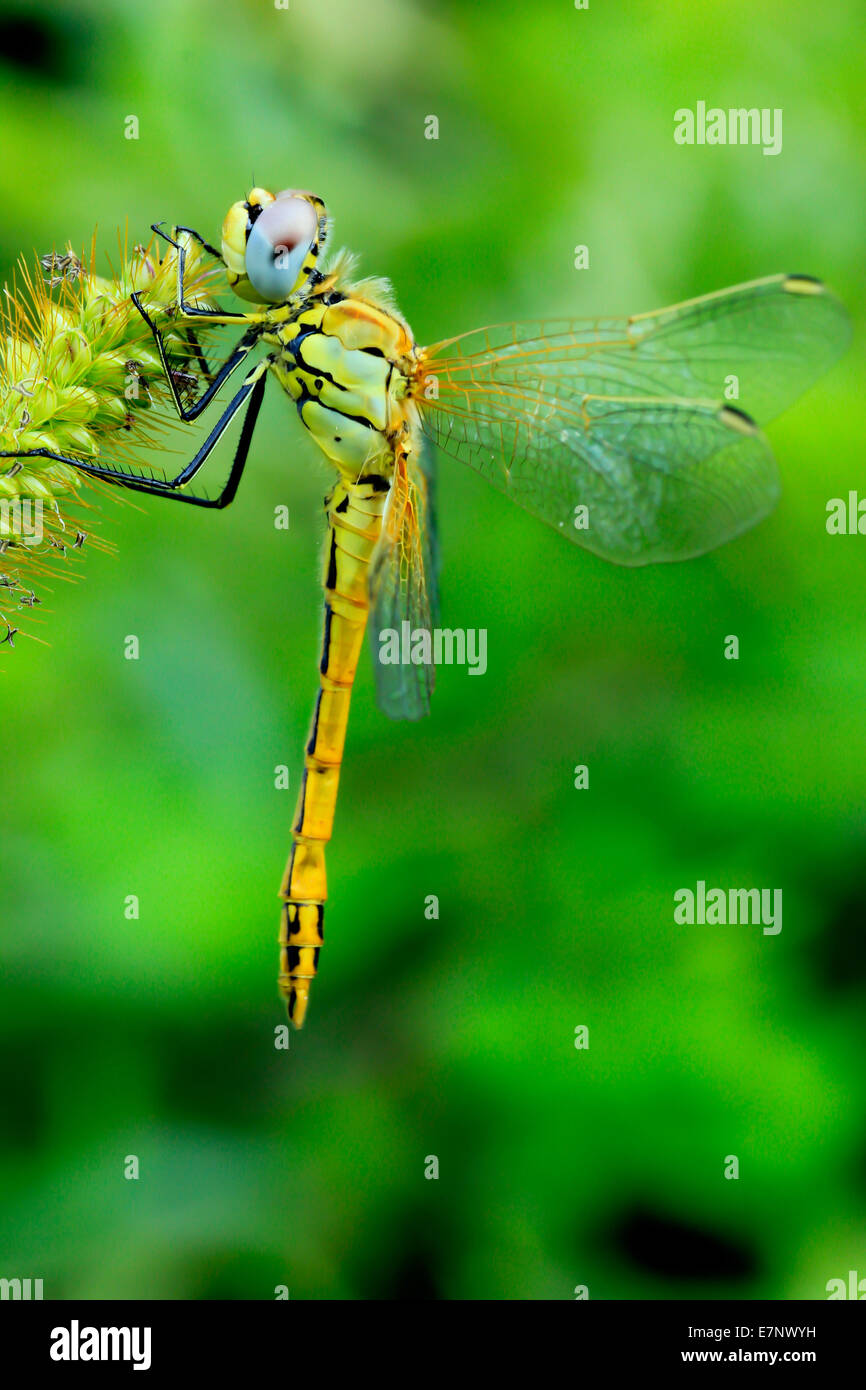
774, 336
623, 417
429, 530
404, 586
635, 481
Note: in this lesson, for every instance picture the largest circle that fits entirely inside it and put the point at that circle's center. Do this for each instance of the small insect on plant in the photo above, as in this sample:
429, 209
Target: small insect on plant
613, 431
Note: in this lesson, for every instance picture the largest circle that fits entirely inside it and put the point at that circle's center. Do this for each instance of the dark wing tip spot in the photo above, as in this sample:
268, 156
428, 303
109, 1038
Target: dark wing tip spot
737, 419
803, 284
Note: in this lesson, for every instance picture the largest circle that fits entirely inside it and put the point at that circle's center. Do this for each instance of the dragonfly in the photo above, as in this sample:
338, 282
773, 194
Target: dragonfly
620, 433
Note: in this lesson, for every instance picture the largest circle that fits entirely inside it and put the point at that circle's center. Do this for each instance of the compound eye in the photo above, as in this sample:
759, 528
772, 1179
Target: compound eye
278, 243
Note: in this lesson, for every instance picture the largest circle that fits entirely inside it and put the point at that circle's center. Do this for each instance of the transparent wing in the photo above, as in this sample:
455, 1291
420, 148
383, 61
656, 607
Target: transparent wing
404, 584
426, 468
622, 417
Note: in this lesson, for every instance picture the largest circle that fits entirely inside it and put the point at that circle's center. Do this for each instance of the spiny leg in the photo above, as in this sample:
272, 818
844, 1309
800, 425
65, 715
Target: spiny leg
234, 359
253, 390
180, 259
215, 380
197, 353
193, 311
216, 255
196, 236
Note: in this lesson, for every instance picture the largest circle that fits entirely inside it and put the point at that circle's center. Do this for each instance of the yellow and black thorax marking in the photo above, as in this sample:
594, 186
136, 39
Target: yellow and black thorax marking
346, 364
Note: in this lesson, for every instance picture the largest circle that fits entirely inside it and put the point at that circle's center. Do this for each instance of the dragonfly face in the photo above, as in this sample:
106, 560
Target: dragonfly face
629, 436
271, 243
346, 360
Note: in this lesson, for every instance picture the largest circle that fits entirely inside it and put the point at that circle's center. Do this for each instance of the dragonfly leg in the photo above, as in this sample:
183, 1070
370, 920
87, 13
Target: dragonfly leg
215, 379
253, 390
234, 359
194, 311
190, 337
196, 236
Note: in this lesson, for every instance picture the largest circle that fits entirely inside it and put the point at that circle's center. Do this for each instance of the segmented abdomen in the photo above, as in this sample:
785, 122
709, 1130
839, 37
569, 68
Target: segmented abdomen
355, 521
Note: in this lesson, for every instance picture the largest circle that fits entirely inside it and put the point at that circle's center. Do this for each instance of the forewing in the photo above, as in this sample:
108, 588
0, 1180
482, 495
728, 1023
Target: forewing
622, 417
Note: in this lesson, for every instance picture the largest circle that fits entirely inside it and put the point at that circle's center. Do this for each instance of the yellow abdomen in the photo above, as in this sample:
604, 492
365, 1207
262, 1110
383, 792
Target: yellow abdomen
345, 362
355, 519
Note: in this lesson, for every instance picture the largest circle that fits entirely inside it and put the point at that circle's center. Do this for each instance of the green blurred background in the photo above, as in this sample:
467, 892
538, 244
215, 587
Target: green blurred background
452, 1038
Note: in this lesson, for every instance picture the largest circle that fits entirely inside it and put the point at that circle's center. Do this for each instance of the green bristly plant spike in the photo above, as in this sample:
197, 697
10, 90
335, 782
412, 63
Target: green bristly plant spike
80, 375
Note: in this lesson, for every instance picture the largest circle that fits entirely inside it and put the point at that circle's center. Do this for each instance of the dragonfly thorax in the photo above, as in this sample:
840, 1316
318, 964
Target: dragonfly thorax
346, 363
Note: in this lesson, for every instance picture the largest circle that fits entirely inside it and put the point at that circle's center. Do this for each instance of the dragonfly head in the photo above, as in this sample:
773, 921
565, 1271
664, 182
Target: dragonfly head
271, 242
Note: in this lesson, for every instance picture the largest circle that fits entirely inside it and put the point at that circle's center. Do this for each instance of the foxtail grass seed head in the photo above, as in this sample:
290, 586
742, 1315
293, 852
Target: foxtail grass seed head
80, 375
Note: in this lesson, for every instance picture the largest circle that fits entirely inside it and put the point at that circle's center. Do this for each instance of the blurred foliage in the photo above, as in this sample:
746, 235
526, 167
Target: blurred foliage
454, 1038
